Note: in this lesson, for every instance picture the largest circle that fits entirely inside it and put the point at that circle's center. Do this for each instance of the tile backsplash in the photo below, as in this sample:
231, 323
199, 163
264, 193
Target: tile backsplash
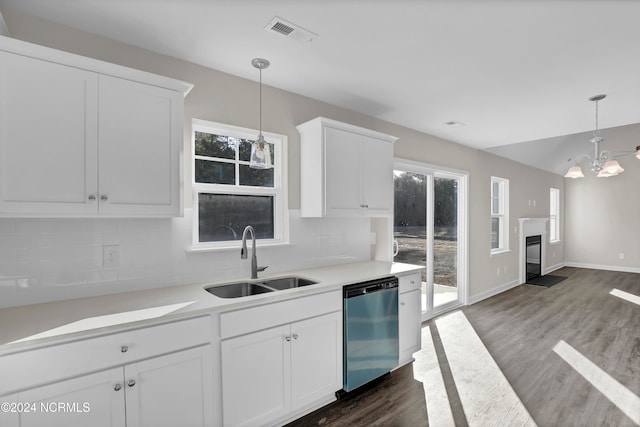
45, 260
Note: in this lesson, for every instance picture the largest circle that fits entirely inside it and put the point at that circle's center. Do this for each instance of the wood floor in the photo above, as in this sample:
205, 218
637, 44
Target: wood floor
522, 329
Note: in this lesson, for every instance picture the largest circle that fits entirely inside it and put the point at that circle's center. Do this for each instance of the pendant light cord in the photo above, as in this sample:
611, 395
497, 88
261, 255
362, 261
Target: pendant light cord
260, 106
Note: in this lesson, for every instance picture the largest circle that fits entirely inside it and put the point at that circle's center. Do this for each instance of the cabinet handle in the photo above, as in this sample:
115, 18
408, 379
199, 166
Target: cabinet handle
295, 336
131, 383
124, 348
287, 338
412, 282
364, 206
104, 197
92, 197
117, 387
401, 303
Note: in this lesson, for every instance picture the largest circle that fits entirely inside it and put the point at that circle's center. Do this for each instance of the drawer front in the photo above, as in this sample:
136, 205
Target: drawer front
409, 282
252, 319
35, 367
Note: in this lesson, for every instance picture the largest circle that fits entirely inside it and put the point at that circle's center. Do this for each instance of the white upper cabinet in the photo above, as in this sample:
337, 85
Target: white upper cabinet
81, 137
345, 170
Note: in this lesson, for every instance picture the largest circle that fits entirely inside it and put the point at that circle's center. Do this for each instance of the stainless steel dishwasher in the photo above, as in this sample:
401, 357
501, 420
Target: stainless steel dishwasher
370, 331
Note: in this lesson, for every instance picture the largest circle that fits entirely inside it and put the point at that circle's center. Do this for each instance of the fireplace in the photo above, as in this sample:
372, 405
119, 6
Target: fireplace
533, 259
532, 230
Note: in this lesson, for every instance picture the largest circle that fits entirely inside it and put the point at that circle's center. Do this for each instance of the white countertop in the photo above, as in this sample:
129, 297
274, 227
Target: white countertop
40, 323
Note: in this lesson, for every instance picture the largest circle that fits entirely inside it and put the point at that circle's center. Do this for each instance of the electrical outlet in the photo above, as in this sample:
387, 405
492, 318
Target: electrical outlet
110, 256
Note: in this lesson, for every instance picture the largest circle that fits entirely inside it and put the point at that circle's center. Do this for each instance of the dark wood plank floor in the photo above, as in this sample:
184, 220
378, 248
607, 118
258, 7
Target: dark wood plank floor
520, 327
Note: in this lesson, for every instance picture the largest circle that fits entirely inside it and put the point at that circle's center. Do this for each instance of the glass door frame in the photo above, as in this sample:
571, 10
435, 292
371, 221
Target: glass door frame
431, 171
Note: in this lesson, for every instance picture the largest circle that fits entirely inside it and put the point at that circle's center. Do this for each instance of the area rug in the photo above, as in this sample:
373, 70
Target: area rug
547, 280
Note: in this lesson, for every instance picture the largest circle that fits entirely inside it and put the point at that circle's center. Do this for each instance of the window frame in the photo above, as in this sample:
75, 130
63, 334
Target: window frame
278, 191
502, 215
554, 215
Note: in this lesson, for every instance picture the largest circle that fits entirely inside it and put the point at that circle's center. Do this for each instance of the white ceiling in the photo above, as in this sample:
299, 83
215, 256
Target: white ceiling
511, 70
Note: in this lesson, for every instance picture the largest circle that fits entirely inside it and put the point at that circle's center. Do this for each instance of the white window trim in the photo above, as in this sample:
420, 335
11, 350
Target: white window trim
279, 190
503, 243
554, 217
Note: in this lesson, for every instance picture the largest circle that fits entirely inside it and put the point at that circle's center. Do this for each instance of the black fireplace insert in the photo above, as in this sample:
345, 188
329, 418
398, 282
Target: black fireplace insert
534, 255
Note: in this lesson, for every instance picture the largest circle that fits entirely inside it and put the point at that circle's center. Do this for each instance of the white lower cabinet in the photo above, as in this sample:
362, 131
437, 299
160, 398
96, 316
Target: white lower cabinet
269, 374
86, 400
409, 316
140, 378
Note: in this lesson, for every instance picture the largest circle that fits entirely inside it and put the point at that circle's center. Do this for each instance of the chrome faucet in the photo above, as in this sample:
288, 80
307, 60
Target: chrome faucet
243, 251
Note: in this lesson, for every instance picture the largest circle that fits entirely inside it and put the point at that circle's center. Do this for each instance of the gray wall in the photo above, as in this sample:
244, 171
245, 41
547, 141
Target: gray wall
228, 99
603, 214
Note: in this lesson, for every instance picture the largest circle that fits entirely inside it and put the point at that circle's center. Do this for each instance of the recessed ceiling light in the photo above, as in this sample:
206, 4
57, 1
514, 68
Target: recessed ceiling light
455, 124
289, 29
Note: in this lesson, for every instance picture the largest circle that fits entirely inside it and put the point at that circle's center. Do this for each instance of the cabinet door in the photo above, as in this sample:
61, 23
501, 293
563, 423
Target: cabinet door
377, 176
316, 359
256, 377
409, 322
48, 137
172, 390
95, 400
140, 141
342, 173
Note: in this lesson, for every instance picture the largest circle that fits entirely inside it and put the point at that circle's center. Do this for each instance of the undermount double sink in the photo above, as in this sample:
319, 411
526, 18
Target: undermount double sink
244, 289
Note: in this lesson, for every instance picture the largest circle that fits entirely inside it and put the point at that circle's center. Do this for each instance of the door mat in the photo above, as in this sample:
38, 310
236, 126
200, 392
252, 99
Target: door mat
547, 280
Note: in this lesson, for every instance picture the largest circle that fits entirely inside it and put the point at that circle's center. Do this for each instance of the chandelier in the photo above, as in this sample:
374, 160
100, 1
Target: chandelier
602, 164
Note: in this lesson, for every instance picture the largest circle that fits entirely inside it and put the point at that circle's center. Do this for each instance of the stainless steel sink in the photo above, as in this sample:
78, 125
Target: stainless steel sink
281, 283
245, 289
237, 290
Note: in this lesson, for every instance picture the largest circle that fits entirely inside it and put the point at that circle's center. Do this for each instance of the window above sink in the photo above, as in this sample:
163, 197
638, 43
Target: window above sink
228, 195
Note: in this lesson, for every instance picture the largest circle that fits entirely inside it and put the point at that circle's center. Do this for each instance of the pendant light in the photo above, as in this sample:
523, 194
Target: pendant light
260, 149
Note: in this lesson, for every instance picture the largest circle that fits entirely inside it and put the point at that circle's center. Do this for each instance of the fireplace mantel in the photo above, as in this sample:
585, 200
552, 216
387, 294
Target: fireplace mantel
532, 227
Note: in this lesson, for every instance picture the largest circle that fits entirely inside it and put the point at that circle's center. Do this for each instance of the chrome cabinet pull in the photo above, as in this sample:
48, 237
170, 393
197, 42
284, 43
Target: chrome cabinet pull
124, 349
131, 383
295, 336
104, 197
117, 387
92, 197
287, 338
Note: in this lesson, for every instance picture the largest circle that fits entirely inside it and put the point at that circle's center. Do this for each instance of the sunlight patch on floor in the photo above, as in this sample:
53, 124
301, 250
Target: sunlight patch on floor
427, 370
618, 394
485, 394
625, 296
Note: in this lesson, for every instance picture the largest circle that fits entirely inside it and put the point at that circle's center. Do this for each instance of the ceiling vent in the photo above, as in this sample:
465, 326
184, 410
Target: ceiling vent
290, 30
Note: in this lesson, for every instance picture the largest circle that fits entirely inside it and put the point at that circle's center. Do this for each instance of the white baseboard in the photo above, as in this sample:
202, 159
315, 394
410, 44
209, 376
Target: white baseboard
491, 292
554, 267
603, 267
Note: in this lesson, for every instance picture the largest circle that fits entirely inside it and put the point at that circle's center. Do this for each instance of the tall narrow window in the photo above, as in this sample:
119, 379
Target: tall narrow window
554, 215
499, 214
228, 194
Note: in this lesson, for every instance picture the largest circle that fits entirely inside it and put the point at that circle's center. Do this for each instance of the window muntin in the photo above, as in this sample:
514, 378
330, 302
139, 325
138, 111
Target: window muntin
499, 214
228, 194
554, 215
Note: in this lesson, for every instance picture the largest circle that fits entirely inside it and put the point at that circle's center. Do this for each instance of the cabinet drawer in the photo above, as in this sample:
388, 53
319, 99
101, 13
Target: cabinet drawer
44, 365
409, 282
266, 316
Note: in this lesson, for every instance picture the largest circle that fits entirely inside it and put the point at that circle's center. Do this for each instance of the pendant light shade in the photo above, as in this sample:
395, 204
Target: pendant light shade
260, 154
574, 172
260, 149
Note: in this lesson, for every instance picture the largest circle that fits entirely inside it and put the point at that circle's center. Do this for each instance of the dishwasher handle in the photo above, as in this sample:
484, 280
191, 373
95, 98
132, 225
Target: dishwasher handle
378, 285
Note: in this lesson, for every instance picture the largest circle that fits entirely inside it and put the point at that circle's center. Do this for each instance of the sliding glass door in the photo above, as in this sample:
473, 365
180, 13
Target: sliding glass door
430, 230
